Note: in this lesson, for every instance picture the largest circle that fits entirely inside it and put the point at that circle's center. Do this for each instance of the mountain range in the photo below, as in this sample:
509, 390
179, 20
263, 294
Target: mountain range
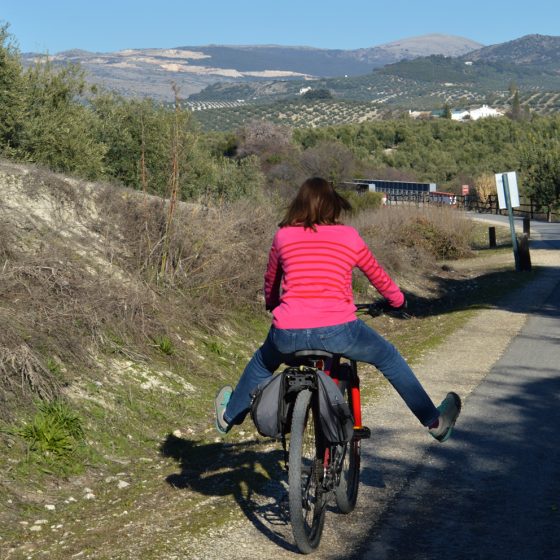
150, 72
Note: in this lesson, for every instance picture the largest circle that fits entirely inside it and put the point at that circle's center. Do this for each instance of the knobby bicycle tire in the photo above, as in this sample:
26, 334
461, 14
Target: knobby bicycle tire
305, 472
346, 492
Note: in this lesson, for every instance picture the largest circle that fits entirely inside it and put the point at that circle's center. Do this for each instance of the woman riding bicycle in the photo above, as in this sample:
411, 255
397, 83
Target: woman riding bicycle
308, 288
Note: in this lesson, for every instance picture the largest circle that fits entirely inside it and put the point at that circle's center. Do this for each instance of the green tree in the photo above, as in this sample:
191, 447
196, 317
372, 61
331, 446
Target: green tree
516, 111
137, 136
541, 164
58, 128
11, 93
317, 94
513, 89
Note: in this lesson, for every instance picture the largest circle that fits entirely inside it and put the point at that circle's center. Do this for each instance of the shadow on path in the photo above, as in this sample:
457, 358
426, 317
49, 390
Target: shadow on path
493, 491
255, 478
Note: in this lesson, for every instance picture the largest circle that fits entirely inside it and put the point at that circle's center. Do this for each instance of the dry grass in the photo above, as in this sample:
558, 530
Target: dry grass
80, 271
216, 256
23, 372
407, 236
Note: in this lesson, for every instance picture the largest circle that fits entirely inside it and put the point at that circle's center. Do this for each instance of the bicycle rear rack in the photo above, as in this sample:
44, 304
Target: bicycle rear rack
301, 377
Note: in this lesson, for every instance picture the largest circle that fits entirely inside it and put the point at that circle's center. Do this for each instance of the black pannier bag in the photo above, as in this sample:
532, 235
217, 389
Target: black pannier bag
268, 406
337, 423
271, 402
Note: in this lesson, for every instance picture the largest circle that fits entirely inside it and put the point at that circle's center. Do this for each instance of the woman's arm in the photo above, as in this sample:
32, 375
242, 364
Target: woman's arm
381, 281
272, 278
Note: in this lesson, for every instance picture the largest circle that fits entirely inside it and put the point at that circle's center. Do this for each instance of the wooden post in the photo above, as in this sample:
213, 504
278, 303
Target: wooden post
524, 255
492, 237
527, 226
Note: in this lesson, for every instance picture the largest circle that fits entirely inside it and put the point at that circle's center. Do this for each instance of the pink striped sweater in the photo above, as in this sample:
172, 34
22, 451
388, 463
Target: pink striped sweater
308, 280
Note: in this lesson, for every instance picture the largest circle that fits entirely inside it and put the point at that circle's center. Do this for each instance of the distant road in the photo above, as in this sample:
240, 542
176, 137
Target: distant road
543, 234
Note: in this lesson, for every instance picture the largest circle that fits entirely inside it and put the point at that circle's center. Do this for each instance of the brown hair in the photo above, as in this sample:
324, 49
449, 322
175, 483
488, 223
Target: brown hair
315, 203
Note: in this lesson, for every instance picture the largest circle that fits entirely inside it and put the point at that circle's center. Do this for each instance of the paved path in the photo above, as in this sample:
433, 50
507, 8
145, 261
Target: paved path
493, 491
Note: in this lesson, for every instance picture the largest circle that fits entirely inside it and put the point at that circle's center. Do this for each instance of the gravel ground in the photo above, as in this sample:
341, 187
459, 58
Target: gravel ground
399, 445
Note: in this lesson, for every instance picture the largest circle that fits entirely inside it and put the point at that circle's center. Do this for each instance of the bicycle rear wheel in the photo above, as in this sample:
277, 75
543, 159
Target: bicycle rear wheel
305, 473
346, 492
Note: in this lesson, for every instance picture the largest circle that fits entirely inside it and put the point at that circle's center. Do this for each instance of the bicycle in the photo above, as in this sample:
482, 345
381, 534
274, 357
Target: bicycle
317, 468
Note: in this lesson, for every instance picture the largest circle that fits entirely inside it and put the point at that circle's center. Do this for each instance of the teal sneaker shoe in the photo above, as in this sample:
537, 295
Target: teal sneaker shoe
220, 404
449, 410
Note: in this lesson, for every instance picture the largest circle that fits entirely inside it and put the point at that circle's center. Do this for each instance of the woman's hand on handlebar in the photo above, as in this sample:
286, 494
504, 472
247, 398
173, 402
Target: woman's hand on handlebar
382, 307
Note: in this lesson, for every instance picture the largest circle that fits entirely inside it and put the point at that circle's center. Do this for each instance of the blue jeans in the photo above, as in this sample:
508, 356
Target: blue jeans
355, 340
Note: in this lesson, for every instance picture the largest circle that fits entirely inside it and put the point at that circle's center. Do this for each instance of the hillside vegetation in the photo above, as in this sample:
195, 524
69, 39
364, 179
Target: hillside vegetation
489, 75
226, 116
52, 118
103, 356
83, 283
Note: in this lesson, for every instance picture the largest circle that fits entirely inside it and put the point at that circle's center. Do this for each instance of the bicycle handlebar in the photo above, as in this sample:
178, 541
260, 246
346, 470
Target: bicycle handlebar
382, 307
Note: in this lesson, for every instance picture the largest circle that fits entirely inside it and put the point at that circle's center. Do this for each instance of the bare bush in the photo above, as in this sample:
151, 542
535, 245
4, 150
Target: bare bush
408, 240
485, 187
264, 139
21, 371
331, 160
216, 254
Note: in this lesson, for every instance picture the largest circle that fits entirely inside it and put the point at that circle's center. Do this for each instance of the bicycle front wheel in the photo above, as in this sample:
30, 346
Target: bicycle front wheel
305, 475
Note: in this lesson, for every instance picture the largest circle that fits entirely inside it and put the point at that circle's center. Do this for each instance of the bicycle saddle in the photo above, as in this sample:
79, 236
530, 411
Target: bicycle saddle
314, 353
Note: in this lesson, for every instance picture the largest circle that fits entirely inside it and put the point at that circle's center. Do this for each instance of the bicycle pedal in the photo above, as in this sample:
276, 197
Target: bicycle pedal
362, 432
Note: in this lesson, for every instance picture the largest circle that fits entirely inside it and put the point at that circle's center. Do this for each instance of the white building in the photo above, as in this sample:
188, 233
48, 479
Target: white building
475, 114
483, 112
460, 115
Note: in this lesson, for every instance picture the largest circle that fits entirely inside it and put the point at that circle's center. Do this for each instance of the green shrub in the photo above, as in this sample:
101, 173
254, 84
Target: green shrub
364, 201
215, 347
165, 345
55, 435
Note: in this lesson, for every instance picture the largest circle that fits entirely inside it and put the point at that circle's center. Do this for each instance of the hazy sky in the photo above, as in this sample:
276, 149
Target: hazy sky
103, 25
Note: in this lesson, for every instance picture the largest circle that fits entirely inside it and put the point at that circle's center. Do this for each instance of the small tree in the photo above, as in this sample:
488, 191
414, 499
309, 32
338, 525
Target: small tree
58, 129
512, 88
516, 110
542, 174
331, 160
11, 92
485, 187
264, 139
317, 94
